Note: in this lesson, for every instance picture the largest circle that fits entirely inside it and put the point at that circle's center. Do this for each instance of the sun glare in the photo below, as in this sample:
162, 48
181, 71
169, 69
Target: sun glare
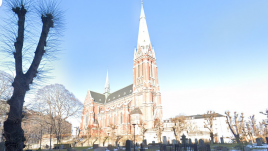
0, 2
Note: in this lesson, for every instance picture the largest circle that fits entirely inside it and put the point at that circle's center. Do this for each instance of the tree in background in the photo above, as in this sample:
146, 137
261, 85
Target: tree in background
58, 104
252, 122
264, 124
208, 123
256, 130
5, 92
5, 85
236, 125
249, 132
33, 127
26, 58
192, 127
180, 124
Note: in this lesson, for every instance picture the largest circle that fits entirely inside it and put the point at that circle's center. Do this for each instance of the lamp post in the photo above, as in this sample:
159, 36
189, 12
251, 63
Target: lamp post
134, 135
108, 138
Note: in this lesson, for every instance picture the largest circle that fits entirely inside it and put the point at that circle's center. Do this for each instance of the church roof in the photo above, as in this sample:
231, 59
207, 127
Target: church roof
120, 93
201, 116
100, 98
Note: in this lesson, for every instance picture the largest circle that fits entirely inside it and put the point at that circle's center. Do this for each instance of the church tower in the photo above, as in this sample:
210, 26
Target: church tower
146, 90
107, 87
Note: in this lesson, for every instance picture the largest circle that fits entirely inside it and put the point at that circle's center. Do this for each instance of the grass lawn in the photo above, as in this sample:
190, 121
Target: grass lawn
229, 145
75, 148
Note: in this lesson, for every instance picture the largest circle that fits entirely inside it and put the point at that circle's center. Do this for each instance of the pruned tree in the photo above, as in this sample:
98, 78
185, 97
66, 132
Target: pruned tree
208, 123
58, 104
27, 59
255, 130
143, 128
253, 124
118, 138
249, 131
261, 129
264, 124
112, 131
180, 124
159, 127
89, 133
236, 125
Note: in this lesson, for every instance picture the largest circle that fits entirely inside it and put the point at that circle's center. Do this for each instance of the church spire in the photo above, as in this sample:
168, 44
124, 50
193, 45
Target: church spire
107, 86
143, 38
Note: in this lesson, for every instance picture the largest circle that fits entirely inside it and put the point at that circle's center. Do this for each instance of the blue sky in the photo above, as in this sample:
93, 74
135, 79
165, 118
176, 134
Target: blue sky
211, 54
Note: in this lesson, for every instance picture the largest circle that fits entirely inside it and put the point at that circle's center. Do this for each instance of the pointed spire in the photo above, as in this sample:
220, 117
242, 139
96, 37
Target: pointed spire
143, 38
107, 84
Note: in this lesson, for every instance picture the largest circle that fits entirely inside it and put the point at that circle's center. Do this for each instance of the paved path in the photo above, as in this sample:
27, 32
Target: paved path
100, 149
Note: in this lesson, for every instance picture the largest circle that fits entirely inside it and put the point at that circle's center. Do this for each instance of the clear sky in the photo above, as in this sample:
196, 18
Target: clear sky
211, 54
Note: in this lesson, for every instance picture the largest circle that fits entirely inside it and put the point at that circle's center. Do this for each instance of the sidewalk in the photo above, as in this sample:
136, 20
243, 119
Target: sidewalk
100, 149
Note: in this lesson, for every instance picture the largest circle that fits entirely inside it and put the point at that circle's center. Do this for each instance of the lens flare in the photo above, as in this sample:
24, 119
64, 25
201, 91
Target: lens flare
0, 2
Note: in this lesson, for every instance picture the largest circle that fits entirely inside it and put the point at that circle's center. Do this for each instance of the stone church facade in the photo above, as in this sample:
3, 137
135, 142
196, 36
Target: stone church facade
137, 103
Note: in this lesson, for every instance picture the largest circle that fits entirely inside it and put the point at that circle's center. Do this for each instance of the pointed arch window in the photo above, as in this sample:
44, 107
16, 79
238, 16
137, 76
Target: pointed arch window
121, 117
141, 69
138, 70
152, 69
87, 118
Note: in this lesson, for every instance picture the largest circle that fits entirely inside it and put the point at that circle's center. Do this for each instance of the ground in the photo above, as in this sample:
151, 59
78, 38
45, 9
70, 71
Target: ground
75, 148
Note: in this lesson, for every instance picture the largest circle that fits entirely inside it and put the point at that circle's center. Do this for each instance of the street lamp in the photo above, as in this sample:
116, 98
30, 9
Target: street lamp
134, 135
108, 138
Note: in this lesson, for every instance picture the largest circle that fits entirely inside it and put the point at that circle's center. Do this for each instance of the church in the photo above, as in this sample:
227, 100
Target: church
136, 103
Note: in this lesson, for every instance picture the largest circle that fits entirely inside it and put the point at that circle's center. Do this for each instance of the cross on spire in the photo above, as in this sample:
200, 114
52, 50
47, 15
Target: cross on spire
141, 1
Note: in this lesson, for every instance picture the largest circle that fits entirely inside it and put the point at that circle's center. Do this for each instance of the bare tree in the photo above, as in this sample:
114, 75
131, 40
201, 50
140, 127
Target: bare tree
32, 127
59, 105
208, 123
5, 85
255, 130
5, 93
113, 135
15, 44
253, 124
89, 134
143, 128
158, 126
249, 131
236, 125
180, 124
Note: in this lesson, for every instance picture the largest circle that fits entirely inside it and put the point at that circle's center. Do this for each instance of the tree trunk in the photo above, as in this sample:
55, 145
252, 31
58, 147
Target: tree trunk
237, 138
211, 137
12, 126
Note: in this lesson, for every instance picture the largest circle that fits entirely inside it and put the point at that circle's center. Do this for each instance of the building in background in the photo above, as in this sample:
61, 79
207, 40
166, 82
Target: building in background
4, 108
37, 129
196, 129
